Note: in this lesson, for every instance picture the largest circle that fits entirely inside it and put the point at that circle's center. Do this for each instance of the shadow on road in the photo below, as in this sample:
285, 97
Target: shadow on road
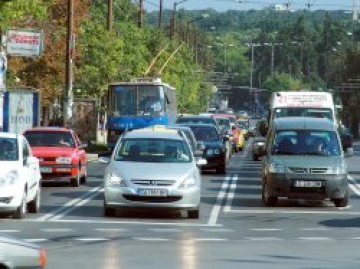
342, 223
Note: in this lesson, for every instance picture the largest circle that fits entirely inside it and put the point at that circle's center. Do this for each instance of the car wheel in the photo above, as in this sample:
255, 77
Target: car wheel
75, 181
194, 214
83, 178
266, 198
109, 212
342, 202
34, 205
21, 210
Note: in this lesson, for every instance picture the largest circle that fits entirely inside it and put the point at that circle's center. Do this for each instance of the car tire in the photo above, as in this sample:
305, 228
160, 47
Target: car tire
266, 198
34, 205
194, 214
21, 210
83, 177
75, 181
108, 211
343, 202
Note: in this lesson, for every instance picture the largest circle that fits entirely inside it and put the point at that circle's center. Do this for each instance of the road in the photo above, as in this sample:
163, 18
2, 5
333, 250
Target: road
234, 230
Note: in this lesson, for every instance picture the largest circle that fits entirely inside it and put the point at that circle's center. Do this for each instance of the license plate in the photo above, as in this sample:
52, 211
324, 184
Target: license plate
307, 184
152, 192
45, 169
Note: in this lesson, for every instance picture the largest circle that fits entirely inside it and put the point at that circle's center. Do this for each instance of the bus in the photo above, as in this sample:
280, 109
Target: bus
138, 104
303, 104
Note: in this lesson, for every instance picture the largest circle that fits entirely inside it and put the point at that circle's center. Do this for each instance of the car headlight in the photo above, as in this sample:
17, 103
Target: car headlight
260, 144
63, 160
9, 178
276, 168
188, 183
338, 170
112, 179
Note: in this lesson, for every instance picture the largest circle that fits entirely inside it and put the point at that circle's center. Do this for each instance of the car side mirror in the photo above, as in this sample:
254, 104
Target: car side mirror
104, 160
201, 162
349, 152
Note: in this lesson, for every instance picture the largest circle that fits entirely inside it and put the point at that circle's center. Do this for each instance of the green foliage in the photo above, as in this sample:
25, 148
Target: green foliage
282, 82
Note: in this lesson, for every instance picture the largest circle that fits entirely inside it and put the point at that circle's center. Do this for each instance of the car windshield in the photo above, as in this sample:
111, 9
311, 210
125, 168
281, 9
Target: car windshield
50, 139
223, 123
305, 142
304, 112
8, 149
153, 151
207, 134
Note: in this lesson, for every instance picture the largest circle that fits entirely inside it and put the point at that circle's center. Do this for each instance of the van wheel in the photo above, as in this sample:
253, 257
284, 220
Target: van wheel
34, 205
21, 210
75, 181
266, 198
193, 214
342, 202
221, 169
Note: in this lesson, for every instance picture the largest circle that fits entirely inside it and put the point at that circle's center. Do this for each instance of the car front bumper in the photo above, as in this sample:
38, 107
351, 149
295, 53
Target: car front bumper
10, 198
128, 197
332, 187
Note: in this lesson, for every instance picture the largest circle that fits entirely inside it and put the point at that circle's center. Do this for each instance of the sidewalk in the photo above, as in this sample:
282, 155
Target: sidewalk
354, 162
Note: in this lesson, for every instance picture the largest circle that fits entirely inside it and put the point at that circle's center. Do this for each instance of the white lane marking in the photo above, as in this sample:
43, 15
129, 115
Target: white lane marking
94, 221
231, 193
9, 231
110, 230
216, 230
77, 205
216, 208
209, 239
91, 239
69, 205
353, 185
159, 230
56, 230
264, 211
264, 238
315, 229
36, 240
266, 229
151, 239
318, 238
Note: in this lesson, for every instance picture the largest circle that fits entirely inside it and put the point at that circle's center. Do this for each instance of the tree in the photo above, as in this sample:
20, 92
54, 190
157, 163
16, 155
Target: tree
281, 82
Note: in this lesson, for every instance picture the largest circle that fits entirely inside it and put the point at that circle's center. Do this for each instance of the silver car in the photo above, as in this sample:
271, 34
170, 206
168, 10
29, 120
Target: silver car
153, 168
15, 253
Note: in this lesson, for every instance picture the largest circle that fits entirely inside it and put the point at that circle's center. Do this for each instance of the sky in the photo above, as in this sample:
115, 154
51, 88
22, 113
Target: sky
223, 5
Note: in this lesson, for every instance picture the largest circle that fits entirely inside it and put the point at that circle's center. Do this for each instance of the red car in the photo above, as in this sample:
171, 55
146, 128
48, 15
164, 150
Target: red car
60, 152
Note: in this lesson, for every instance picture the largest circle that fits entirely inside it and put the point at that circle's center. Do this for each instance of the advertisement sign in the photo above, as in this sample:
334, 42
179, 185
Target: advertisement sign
303, 100
20, 111
27, 43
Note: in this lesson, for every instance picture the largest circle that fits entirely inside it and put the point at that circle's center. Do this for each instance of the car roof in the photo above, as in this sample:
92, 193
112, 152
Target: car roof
304, 123
9, 135
49, 129
156, 133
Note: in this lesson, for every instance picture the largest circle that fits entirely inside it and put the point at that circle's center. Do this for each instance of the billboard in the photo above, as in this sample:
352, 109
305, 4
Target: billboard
27, 43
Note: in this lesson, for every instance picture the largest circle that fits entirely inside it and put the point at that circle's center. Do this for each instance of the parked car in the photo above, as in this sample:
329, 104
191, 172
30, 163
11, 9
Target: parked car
303, 159
153, 168
215, 151
61, 153
16, 253
19, 177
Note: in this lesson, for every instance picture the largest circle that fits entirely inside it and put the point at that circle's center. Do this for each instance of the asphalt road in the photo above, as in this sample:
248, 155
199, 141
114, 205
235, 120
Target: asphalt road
234, 230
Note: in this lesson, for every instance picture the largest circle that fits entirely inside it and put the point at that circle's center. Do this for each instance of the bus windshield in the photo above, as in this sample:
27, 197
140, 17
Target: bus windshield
304, 112
138, 100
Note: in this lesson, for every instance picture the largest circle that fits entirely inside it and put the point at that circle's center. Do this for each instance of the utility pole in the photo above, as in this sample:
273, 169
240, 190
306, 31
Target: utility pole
272, 58
160, 13
141, 13
110, 15
174, 19
68, 92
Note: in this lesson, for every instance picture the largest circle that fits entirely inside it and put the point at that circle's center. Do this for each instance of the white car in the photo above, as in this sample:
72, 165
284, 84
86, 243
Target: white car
19, 176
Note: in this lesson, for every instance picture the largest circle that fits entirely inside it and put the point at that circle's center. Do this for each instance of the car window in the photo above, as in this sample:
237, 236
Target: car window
153, 150
205, 133
50, 139
8, 149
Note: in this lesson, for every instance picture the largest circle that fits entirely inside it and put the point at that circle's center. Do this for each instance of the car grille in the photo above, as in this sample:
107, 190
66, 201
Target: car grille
150, 182
47, 159
151, 199
299, 170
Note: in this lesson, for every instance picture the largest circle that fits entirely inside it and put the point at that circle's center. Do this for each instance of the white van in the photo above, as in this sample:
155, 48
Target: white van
302, 104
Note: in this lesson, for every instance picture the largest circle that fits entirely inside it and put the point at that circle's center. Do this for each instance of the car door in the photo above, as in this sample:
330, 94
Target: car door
30, 171
81, 152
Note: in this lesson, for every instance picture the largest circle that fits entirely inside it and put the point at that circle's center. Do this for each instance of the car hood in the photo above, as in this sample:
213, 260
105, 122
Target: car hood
7, 166
309, 161
51, 151
158, 171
